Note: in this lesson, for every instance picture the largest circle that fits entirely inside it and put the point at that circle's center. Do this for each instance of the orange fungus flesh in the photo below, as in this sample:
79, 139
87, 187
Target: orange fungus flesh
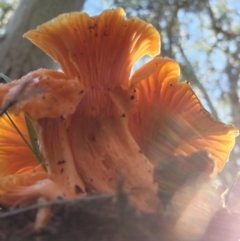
169, 112
95, 125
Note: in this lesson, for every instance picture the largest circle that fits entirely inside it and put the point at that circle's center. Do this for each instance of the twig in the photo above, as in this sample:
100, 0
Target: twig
55, 202
231, 188
197, 82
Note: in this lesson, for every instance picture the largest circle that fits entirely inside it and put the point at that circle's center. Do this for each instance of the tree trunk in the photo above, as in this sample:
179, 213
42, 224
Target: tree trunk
19, 56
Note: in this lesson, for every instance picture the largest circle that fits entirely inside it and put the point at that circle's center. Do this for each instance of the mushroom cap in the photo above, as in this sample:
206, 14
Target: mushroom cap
99, 50
170, 119
15, 156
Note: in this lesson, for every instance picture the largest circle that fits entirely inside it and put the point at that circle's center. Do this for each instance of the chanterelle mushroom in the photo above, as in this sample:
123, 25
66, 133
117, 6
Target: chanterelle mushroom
95, 124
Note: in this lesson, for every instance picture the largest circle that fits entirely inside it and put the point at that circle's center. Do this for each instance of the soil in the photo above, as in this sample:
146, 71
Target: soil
98, 218
102, 218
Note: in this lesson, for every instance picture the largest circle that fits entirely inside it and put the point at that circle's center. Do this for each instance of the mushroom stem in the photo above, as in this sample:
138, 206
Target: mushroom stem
57, 152
104, 151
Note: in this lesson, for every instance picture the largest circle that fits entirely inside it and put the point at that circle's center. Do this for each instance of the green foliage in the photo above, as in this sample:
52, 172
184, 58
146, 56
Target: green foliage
6, 8
8, 80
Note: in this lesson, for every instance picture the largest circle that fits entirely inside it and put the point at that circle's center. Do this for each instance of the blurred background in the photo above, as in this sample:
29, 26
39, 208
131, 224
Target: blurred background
202, 36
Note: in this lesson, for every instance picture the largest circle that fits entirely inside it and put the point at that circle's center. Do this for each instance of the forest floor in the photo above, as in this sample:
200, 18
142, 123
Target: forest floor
100, 218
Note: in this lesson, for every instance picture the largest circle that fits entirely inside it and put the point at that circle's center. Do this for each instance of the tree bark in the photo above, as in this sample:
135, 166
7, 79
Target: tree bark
19, 56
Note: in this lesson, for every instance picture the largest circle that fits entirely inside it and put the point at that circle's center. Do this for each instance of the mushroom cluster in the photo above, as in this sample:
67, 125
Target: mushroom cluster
95, 123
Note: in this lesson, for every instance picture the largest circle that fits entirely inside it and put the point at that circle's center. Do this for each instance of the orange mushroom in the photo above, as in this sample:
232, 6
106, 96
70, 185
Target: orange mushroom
170, 113
94, 123
12, 148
